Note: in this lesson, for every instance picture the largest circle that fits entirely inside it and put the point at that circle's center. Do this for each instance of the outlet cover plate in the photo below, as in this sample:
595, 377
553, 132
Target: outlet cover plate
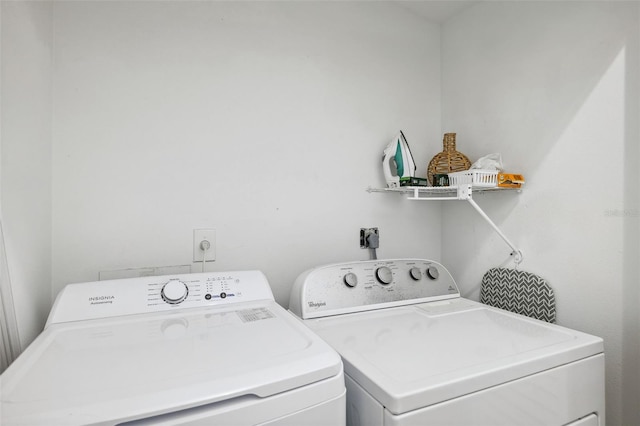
200, 235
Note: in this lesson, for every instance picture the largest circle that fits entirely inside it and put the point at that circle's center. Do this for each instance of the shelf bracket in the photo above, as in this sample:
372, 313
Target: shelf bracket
464, 192
459, 192
516, 253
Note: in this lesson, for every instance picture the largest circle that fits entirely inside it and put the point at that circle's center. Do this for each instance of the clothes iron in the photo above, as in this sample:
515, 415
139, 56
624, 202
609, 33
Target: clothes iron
397, 161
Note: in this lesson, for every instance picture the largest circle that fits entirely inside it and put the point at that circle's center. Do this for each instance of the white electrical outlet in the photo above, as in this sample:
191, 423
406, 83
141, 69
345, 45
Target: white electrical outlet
199, 236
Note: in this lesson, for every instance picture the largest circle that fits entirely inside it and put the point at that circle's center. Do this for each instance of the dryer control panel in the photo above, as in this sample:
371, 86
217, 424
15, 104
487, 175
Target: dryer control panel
365, 285
102, 299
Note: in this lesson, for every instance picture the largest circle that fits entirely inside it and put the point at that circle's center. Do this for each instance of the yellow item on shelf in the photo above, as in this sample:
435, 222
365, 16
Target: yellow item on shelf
510, 180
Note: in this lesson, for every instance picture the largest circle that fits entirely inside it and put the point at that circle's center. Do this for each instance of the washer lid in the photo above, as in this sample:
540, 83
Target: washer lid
415, 356
141, 365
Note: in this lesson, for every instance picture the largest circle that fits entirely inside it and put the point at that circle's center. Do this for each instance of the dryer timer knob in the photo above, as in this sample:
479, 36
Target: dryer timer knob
351, 279
384, 275
415, 273
174, 292
433, 272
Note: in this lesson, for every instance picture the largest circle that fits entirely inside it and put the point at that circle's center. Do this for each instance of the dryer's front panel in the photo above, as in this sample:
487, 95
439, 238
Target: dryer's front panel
411, 356
571, 394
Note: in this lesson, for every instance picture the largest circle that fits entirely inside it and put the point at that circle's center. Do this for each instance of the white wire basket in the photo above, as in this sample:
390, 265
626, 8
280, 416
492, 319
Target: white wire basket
475, 177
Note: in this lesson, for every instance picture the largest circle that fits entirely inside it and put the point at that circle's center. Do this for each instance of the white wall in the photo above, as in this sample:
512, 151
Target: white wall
553, 87
25, 168
265, 121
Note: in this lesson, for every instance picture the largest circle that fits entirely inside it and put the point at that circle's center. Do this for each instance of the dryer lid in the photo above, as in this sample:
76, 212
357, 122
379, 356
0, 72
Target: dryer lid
141, 365
415, 356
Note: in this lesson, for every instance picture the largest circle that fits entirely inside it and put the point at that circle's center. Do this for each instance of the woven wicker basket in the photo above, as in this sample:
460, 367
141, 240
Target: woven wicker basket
449, 160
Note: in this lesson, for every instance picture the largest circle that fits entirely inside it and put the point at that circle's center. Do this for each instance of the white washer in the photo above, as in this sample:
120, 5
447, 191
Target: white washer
196, 349
416, 353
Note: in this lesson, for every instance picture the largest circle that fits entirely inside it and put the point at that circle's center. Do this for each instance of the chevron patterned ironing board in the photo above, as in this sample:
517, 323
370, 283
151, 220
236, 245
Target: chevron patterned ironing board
520, 292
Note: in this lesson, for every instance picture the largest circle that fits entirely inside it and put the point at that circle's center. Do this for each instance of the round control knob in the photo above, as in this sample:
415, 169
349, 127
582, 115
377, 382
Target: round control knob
433, 272
174, 292
384, 275
351, 279
415, 273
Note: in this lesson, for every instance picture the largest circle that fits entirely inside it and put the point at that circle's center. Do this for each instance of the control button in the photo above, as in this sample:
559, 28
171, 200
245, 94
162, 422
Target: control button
223, 295
207, 296
351, 279
384, 275
174, 292
415, 273
433, 272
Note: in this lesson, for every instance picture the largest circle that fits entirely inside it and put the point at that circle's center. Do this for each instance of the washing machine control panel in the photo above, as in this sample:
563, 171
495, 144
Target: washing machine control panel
366, 285
129, 296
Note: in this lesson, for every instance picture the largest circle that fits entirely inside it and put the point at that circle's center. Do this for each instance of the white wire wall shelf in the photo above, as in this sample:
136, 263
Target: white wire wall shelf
427, 193
460, 192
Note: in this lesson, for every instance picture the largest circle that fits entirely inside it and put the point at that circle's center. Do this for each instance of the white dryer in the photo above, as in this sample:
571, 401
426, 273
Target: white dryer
416, 353
196, 349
